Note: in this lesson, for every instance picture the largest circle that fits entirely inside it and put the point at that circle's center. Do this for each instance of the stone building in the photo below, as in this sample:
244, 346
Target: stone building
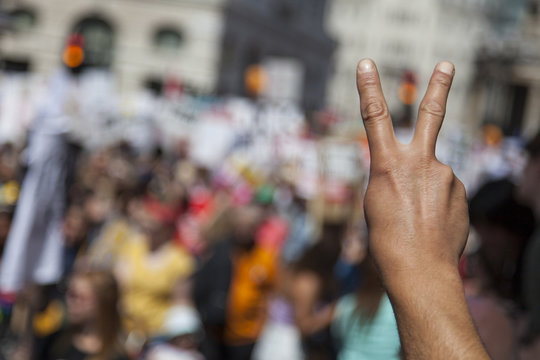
140, 41
204, 44
287, 35
406, 39
507, 79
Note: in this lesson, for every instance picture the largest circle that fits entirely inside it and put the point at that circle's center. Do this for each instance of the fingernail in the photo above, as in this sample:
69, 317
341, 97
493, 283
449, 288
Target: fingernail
365, 65
446, 67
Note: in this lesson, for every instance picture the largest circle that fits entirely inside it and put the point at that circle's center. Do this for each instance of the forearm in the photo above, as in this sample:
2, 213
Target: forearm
432, 315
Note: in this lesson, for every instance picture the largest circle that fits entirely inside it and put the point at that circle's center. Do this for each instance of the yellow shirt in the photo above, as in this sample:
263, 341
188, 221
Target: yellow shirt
104, 251
148, 280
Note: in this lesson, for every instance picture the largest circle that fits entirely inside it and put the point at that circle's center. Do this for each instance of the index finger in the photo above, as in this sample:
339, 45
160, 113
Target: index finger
379, 129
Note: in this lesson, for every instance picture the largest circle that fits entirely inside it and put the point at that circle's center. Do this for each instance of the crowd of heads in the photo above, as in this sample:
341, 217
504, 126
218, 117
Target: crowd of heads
138, 231
163, 259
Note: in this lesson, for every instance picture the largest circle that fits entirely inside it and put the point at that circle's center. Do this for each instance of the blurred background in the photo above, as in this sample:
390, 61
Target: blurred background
306, 51
148, 146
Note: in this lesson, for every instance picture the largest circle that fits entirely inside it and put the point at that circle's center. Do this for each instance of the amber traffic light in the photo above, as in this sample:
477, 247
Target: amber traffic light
73, 55
408, 91
255, 79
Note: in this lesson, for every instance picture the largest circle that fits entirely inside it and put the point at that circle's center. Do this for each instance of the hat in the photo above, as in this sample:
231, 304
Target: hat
181, 320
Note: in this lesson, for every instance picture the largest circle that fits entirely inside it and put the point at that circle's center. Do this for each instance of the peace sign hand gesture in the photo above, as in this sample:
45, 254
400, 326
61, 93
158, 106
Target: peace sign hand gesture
417, 217
415, 207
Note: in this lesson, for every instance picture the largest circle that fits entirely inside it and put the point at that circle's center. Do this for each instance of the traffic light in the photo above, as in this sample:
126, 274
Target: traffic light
73, 55
255, 79
408, 91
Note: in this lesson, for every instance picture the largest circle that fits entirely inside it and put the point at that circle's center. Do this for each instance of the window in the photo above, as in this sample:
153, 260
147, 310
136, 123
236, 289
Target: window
15, 65
168, 39
23, 20
98, 41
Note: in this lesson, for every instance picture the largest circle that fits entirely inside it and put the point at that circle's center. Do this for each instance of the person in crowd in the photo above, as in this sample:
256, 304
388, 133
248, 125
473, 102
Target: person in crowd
529, 194
314, 291
180, 336
302, 228
93, 329
182, 331
117, 230
273, 232
34, 245
348, 269
300, 285
232, 288
98, 206
9, 194
149, 266
6, 215
495, 270
293, 231
364, 324
504, 227
301, 309
75, 236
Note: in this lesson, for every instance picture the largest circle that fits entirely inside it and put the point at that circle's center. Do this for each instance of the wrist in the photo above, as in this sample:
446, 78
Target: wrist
431, 301
401, 280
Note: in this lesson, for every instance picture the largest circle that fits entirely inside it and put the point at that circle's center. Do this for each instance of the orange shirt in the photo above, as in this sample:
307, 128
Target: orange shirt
252, 281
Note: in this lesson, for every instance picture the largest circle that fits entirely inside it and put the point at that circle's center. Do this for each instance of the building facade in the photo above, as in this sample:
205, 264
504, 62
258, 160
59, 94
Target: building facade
204, 44
140, 41
406, 39
287, 35
507, 79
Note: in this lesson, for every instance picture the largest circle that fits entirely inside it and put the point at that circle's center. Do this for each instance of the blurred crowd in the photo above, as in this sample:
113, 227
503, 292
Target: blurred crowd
119, 252
164, 259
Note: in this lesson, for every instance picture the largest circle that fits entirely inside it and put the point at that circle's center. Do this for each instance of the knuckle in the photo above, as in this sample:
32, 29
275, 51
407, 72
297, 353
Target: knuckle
374, 110
432, 108
384, 169
446, 174
459, 188
382, 172
442, 80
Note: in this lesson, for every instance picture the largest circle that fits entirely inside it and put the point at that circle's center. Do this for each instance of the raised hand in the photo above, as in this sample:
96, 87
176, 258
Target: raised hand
417, 217
415, 207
